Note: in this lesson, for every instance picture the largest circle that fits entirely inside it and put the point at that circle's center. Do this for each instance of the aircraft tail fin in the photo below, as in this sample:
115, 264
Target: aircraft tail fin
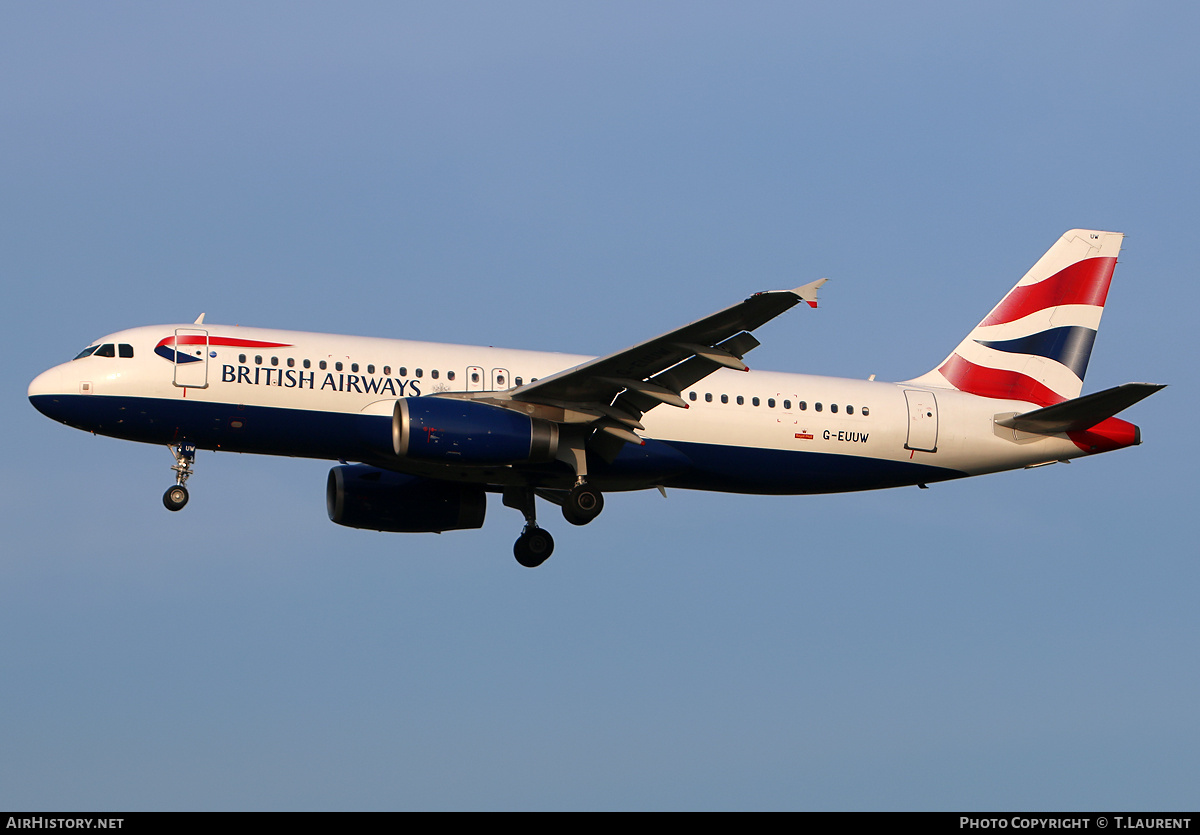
1035, 344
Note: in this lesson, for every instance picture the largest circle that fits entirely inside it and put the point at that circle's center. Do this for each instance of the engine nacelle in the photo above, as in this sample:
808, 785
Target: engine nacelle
359, 496
451, 430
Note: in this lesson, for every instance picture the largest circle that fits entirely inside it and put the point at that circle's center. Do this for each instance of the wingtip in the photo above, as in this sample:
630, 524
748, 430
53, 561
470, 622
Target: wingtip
808, 292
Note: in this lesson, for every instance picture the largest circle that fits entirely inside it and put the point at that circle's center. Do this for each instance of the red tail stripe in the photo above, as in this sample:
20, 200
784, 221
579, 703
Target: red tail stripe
1107, 435
1084, 282
966, 376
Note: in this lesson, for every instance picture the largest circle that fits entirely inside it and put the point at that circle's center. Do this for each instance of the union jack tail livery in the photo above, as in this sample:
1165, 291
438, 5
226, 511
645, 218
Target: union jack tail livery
1035, 344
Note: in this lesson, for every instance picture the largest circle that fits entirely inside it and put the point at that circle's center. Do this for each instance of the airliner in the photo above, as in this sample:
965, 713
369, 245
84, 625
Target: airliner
424, 431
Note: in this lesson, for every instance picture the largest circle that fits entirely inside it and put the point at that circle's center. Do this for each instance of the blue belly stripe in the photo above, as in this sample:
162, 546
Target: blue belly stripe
341, 435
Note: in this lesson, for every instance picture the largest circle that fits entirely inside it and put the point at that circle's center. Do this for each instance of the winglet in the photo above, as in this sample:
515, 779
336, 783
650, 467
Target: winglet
199, 320
808, 293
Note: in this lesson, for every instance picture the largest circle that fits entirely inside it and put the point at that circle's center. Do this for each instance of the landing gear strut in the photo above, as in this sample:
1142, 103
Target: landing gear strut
584, 502
535, 545
177, 496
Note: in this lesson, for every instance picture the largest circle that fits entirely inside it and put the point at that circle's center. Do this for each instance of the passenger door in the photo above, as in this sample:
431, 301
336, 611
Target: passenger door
191, 358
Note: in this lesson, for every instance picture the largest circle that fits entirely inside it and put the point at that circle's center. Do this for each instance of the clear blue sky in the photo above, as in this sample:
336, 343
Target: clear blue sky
564, 177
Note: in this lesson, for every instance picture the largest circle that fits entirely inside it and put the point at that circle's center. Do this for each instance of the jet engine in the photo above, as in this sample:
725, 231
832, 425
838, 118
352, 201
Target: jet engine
451, 430
359, 496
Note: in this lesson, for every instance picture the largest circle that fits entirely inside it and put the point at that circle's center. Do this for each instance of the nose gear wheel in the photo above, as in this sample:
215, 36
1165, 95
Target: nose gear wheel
185, 455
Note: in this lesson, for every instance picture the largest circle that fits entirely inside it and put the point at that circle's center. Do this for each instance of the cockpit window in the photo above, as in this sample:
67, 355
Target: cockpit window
87, 352
106, 350
124, 350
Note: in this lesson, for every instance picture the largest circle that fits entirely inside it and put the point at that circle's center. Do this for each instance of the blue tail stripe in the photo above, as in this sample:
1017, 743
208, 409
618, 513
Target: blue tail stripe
1071, 346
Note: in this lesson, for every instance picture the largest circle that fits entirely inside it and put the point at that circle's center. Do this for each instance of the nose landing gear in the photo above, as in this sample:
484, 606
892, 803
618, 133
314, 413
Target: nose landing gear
177, 496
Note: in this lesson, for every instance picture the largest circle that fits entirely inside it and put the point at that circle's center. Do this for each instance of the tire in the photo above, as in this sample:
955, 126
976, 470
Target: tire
175, 497
533, 547
583, 504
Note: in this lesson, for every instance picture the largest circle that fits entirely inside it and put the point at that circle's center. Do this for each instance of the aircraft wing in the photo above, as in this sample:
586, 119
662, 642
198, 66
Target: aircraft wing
621, 387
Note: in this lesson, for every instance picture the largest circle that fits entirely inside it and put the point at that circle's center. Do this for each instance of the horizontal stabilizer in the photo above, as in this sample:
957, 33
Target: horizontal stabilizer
1082, 412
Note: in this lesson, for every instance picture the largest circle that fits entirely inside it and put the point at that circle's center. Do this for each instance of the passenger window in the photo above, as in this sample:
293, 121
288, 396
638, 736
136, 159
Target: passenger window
787, 405
833, 408
434, 375
307, 364
803, 406
258, 360
387, 371
403, 372
354, 367
707, 397
86, 352
817, 406
242, 359
291, 363
865, 411
770, 402
741, 400
274, 360
755, 401
450, 376
724, 398
474, 377
418, 372
106, 351
691, 395
125, 351
370, 369
322, 365
849, 410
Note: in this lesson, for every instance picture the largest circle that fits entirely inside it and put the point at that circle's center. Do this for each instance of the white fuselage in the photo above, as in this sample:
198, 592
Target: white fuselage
293, 393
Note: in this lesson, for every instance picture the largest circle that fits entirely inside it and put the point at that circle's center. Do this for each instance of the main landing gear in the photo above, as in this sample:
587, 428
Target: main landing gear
535, 545
580, 505
177, 496
583, 503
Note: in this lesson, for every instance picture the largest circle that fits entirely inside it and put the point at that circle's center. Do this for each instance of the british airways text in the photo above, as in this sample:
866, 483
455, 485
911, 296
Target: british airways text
291, 378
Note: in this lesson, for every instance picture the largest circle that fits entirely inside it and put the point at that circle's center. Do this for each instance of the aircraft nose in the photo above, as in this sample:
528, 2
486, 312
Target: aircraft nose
48, 382
44, 390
